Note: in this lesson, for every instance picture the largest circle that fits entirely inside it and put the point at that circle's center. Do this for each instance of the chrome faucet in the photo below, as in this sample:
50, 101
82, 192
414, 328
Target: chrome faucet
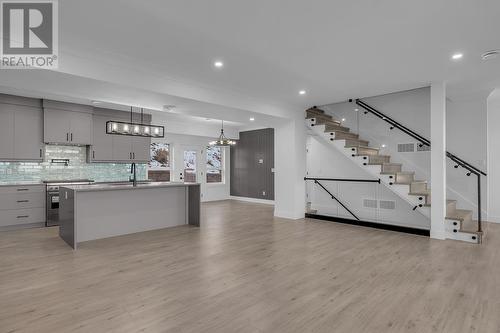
133, 179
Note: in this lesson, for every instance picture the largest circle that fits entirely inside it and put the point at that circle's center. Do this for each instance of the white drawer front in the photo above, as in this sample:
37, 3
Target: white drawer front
22, 189
21, 216
22, 200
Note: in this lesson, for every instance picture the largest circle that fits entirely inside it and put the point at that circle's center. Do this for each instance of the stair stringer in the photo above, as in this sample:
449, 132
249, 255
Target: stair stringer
401, 190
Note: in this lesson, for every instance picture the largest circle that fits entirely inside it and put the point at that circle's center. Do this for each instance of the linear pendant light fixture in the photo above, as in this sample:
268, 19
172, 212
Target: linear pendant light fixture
135, 129
222, 141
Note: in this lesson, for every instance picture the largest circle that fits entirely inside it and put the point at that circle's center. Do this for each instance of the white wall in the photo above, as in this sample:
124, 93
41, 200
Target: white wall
290, 168
326, 162
494, 156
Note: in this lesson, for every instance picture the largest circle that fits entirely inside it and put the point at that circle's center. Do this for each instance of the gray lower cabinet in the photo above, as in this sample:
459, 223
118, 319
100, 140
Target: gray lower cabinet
116, 148
22, 205
21, 133
67, 127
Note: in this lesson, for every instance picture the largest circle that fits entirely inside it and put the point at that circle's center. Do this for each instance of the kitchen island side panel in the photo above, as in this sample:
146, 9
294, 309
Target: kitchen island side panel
103, 214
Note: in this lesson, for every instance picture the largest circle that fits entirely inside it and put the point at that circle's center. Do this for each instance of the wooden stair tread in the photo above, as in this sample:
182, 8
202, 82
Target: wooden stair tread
470, 227
422, 193
459, 215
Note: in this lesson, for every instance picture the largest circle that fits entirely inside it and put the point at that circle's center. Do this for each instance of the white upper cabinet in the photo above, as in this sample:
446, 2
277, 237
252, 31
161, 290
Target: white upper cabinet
21, 129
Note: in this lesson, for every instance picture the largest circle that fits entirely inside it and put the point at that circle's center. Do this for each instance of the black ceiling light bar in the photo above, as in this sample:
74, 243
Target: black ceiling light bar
135, 129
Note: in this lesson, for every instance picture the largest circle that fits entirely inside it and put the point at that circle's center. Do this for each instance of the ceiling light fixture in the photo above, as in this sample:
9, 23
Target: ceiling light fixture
222, 141
135, 129
383, 146
356, 109
457, 56
302, 92
252, 119
218, 64
490, 55
343, 119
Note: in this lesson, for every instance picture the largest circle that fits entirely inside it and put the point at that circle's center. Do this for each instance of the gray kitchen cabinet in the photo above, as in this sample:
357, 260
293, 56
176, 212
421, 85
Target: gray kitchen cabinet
80, 128
122, 148
102, 143
140, 149
28, 134
21, 133
56, 126
6, 133
67, 127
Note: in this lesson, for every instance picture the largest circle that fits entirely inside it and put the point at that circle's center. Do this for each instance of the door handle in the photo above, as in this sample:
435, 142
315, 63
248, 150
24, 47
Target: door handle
130, 155
40, 152
23, 189
23, 216
23, 201
71, 137
93, 153
67, 136
133, 154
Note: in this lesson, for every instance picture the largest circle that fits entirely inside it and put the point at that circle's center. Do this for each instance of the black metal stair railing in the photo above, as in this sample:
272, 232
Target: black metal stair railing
316, 181
423, 141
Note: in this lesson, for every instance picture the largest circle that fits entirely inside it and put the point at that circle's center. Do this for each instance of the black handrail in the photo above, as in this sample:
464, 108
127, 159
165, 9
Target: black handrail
333, 197
457, 160
345, 180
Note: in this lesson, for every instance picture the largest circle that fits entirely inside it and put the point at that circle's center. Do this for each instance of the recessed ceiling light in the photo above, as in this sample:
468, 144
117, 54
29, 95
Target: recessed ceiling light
343, 119
457, 56
490, 54
252, 119
218, 64
356, 109
302, 92
168, 107
383, 146
96, 102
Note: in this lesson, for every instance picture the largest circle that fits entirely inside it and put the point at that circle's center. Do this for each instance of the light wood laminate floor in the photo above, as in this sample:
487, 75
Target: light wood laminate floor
245, 271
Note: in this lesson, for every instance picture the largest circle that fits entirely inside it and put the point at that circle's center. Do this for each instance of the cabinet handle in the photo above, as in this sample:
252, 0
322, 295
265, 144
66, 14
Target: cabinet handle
40, 152
23, 201
133, 154
23, 189
71, 137
93, 153
67, 136
130, 155
23, 216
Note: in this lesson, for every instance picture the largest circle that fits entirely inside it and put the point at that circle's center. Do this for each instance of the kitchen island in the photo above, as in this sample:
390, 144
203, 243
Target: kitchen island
89, 212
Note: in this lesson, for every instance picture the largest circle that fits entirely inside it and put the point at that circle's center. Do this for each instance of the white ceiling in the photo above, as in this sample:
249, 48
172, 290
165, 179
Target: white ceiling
273, 48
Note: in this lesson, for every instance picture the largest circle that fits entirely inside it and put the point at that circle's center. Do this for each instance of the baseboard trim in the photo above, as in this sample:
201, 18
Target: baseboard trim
391, 227
254, 200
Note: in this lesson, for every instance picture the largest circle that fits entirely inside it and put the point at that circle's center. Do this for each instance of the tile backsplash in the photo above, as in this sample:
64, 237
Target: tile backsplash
77, 168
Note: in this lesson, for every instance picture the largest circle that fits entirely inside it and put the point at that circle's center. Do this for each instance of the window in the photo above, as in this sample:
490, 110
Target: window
159, 162
214, 165
190, 166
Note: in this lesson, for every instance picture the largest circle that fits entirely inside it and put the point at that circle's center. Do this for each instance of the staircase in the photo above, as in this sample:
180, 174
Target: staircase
459, 224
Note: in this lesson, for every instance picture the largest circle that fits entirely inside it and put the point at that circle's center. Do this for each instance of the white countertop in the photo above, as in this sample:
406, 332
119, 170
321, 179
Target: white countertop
114, 187
21, 183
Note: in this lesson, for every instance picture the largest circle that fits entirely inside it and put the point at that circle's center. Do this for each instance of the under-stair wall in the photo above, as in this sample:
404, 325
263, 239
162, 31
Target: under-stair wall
368, 201
412, 109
